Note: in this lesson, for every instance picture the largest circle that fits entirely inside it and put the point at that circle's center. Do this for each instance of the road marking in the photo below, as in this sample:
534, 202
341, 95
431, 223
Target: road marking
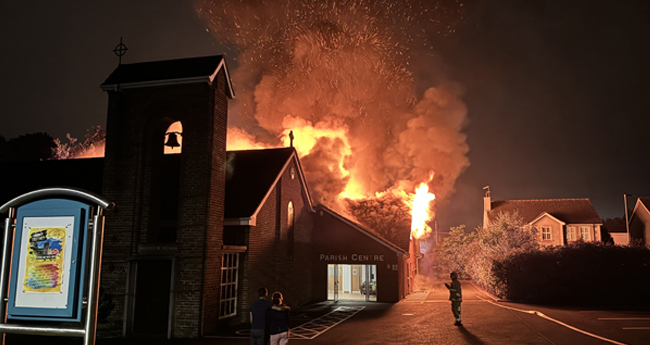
636, 327
441, 301
318, 326
535, 312
624, 319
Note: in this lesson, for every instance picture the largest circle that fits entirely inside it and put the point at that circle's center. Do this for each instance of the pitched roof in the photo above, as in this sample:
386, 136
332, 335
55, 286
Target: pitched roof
402, 237
576, 211
251, 175
642, 205
366, 231
645, 201
179, 71
615, 228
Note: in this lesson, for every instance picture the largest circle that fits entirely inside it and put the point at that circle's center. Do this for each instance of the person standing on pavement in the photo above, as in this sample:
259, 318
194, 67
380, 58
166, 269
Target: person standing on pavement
455, 296
277, 321
258, 317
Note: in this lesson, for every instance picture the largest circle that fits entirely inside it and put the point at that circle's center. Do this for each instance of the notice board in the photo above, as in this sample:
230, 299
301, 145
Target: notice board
48, 262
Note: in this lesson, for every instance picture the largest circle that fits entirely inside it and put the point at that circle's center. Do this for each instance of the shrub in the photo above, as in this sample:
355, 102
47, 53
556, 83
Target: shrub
582, 273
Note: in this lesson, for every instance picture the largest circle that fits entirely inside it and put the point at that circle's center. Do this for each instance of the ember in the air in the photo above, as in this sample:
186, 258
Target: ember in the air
341, 75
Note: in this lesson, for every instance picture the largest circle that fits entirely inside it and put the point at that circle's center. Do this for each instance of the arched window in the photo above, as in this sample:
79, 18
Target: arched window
291, 218
174, 138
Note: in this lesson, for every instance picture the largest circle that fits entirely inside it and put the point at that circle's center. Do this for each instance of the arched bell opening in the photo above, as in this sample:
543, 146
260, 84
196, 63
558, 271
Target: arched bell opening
173, 143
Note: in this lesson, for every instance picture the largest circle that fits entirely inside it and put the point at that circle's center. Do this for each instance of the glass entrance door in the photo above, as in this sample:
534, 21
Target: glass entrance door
369, 285
352, 282
333, 282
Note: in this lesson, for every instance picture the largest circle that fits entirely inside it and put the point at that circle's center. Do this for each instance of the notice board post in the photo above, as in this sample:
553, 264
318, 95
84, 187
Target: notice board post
51, 260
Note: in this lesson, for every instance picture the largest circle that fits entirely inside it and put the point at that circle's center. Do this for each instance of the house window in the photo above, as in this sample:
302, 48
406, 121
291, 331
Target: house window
546, 233
229, 270
584, 233
291, 218
571, 233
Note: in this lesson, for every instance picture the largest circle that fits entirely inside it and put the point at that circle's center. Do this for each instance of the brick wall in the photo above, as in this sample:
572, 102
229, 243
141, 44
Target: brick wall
266, 263
137, 120
338, 239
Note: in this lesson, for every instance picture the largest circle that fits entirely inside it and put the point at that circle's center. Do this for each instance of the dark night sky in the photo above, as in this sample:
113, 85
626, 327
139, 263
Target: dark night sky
557, 91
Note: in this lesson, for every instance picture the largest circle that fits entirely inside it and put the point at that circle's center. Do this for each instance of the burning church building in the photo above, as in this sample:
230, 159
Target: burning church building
197, 230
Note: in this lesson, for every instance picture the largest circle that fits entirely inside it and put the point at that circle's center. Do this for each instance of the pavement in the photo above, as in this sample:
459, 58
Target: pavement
425, 318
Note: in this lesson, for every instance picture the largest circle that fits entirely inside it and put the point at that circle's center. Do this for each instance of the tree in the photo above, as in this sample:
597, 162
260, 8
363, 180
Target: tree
27, 147
95, 139
451, 254
388, 215
508, 234
478, 253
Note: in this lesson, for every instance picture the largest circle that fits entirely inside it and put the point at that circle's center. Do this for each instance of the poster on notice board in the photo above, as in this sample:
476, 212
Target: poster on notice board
43, 270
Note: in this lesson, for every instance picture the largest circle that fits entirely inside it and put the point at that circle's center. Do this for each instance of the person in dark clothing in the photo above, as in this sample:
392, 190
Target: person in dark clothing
258, 317
277, 321
455, 296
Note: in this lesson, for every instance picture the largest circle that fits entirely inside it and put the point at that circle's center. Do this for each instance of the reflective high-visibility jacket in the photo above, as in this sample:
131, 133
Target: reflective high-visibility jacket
455, 292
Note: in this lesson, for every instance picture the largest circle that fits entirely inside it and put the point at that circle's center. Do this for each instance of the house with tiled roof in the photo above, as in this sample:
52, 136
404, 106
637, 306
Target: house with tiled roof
640, 221
558, 221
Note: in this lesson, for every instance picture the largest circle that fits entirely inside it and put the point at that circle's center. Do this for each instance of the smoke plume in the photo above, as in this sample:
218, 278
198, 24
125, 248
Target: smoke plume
342, 70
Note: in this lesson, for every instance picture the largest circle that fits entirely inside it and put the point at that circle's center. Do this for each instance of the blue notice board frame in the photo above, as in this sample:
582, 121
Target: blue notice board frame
45, 211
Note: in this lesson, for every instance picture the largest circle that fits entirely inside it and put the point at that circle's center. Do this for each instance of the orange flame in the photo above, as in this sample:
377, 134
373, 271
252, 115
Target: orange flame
238, 139
307, 135
420, 211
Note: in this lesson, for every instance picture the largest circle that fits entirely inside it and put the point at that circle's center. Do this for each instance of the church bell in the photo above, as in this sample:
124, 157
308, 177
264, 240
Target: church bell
172, 140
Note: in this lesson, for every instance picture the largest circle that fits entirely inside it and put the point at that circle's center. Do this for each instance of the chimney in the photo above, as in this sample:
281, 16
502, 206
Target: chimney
487, 206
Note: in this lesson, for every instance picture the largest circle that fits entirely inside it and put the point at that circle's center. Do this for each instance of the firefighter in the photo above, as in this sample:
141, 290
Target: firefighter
455, 296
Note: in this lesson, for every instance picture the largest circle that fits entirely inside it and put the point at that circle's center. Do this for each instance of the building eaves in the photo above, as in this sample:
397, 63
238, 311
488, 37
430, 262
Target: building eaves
251, 177
642, 205
168, 72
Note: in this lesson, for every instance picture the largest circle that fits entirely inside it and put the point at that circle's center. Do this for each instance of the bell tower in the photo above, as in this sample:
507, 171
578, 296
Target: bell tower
162, 248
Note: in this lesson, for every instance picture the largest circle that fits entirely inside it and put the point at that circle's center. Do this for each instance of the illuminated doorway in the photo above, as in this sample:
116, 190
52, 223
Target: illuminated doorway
352, 283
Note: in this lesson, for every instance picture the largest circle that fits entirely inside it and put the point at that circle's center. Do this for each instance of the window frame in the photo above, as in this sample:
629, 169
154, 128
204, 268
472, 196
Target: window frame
229, 285
549, 232
585, 230
571, 233
291, 229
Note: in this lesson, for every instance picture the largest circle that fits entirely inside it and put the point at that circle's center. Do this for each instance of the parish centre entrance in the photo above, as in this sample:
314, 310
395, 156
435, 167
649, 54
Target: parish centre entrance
352, 282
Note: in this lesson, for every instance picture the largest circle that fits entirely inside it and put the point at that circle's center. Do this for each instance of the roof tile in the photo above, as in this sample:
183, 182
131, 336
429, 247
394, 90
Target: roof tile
571, 211
250, 174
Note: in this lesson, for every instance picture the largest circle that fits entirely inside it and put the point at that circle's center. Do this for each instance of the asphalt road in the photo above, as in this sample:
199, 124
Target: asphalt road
426, 318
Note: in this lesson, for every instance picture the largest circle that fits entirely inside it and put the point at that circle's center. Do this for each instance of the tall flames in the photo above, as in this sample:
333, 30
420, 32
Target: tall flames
420, 211
347, 77
342, 75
